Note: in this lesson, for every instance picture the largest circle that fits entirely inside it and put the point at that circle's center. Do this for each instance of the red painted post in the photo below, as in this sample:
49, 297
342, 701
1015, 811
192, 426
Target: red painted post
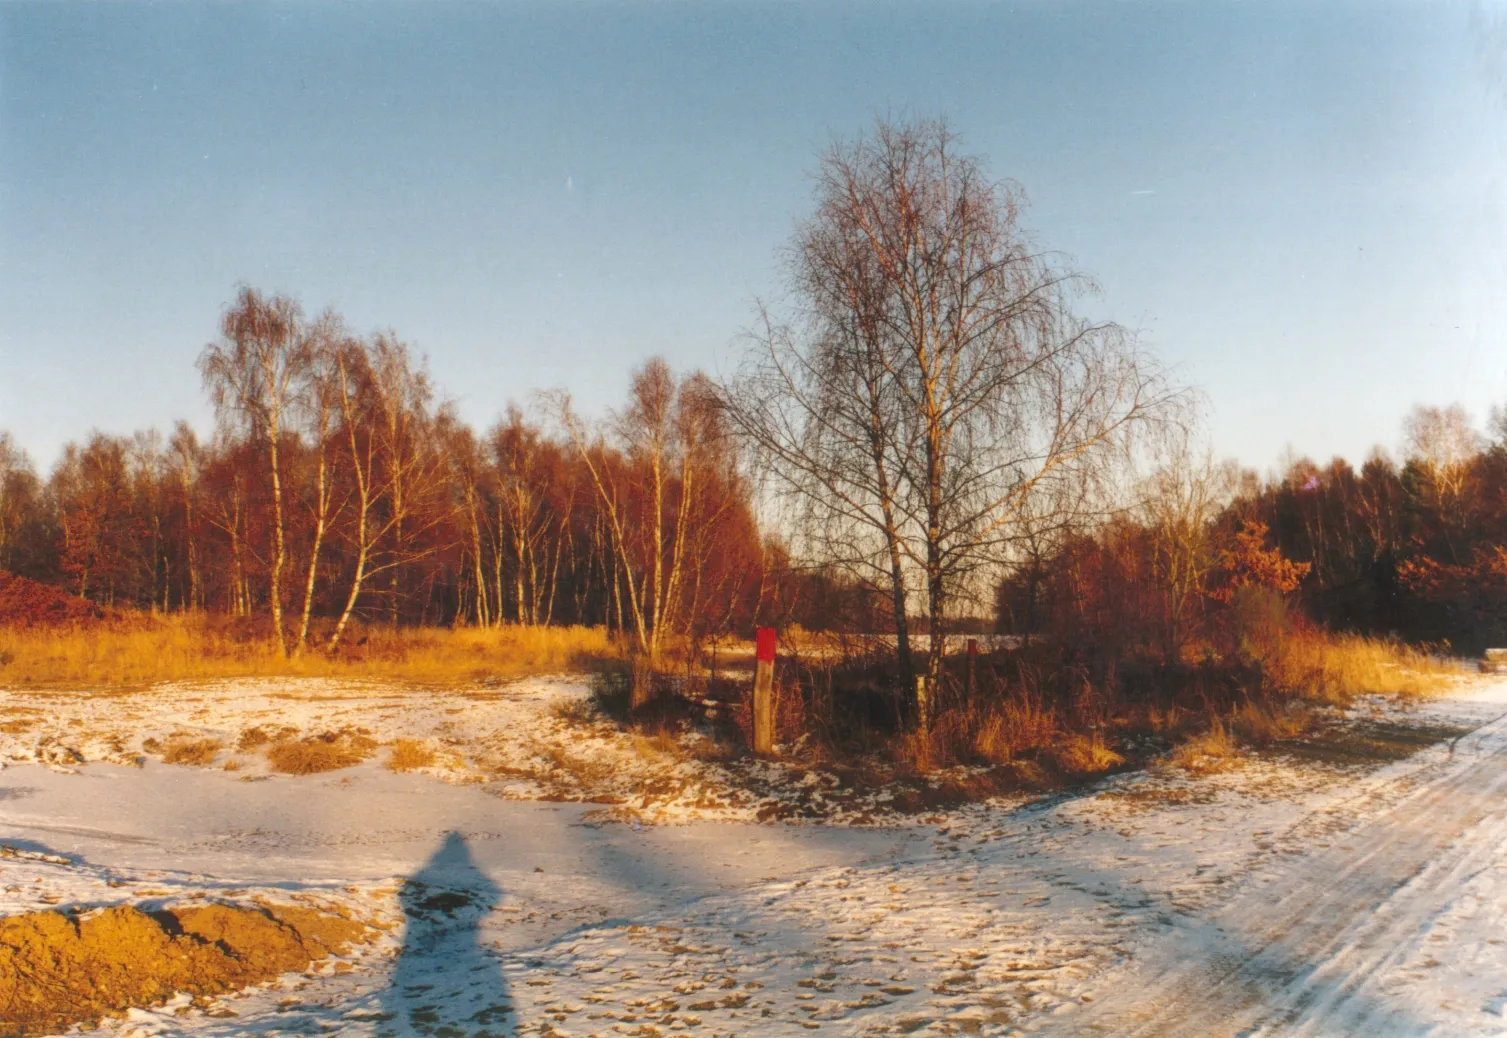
764, 644
763, 696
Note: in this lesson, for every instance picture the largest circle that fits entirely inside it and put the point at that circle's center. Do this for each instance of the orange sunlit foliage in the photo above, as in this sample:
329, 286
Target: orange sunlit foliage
1416, 550
1249, 563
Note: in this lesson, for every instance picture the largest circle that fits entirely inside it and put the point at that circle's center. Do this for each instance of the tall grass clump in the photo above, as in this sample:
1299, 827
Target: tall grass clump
1336, 668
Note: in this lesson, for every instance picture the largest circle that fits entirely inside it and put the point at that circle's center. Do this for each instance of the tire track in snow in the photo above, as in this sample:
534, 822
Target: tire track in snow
1306, 949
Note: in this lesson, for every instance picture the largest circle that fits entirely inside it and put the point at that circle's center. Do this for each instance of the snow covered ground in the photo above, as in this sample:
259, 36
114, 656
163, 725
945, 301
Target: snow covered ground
536, 739
1329, 893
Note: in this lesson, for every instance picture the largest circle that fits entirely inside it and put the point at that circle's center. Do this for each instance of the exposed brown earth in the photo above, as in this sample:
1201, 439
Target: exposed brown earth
58, 969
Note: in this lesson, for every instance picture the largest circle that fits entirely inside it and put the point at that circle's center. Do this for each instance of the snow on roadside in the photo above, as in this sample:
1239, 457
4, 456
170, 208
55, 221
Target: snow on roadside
534, 739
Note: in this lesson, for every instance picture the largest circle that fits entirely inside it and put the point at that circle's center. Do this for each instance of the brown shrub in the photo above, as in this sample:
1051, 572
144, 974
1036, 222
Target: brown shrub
409, 755
58, 970
251, 738
313, 754
574, 711
24, 603
182, 749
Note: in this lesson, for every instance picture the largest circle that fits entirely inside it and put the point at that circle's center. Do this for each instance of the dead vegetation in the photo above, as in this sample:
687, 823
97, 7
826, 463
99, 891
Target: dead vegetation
140, 649
184, 749
59, 969
1023, 719
1336, 668
1207, 752
327, 751
409, 755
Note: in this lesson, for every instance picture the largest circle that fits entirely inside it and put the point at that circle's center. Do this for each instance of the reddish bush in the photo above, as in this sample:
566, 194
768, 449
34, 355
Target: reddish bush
26, 603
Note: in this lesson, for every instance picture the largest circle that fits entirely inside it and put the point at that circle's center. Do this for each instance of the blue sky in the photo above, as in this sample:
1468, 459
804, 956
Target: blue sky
1301, 205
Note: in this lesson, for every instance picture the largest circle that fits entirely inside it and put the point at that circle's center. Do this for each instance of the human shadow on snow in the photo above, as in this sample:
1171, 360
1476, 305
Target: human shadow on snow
446, 982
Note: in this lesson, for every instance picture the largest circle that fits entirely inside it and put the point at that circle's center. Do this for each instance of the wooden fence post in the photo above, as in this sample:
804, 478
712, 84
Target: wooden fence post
973, 660
763, 696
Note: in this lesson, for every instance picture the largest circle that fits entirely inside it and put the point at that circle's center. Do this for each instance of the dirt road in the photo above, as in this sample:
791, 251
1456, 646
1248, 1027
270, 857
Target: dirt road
1378, 895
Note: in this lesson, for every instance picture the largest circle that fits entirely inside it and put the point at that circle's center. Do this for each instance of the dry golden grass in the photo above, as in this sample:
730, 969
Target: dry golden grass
1335, 668
989, 733
656, 745
146, 650
316, 753
1016, 726
1079, 754
181, 749
1210, 751
251, 738
1262, 726
409, 755
584, 772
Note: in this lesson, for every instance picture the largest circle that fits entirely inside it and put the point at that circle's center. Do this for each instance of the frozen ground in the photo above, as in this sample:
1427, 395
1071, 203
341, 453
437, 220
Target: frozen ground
1336, 892
535, 739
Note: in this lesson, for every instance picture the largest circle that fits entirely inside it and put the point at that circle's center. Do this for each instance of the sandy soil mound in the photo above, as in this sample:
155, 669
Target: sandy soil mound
57, 970
26, 603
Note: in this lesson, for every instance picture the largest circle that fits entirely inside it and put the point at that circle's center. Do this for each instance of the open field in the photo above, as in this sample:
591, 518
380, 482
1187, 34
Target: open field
508, 900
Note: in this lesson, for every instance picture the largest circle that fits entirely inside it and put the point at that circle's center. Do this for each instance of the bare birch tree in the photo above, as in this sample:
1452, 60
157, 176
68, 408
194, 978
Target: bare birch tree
649, 491
389, 435
318, 403
1442, 442
252, 375
935, 377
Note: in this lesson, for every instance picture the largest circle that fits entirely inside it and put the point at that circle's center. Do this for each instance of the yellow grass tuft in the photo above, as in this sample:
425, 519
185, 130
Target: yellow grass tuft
316, 753
409, 755
1261, 726
655, 745
145, 650
185, 750
251, 738
1084, 755
1210, 751
988, 733
1016, 726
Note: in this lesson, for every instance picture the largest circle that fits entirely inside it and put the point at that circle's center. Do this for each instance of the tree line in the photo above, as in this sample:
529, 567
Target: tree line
930, 426
339, 484
1411, 550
